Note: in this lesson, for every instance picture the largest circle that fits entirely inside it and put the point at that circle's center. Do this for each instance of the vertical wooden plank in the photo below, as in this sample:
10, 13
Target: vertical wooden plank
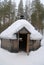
18, 40
28, 38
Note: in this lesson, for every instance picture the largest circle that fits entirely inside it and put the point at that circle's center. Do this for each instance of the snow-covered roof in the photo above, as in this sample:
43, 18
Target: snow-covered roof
9, 33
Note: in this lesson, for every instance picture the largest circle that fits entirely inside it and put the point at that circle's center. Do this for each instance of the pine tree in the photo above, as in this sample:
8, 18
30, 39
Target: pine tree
20, 9
13, 11
7, 10
27, 10
36, 16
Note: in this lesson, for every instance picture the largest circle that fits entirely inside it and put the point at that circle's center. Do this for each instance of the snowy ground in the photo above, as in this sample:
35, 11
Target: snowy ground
0, 43
21, 58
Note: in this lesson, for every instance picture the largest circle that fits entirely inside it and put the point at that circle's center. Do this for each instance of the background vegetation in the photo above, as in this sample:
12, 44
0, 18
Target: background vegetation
33, 12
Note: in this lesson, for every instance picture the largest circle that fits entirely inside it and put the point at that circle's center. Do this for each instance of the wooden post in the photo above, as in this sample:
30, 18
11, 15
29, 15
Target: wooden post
18, 40
28, 38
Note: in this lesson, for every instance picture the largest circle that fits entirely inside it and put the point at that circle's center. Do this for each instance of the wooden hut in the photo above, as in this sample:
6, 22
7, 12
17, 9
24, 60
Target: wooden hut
20, 36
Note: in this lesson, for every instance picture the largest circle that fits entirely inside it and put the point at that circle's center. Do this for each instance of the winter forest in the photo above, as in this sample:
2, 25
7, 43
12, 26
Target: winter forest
32, 11
25, 38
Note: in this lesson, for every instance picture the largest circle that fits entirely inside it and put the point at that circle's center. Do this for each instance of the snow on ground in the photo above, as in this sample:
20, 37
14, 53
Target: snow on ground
21, 58
42, 42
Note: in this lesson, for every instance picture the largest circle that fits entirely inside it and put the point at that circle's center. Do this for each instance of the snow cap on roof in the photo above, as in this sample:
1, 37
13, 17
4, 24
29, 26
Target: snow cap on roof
18, 25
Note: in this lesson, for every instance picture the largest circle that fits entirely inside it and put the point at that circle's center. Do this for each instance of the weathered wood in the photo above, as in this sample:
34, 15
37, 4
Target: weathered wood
18, 41
23, 31
28, 37
6, 44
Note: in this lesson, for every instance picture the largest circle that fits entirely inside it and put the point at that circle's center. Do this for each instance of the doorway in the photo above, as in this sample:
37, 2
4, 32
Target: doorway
22, 42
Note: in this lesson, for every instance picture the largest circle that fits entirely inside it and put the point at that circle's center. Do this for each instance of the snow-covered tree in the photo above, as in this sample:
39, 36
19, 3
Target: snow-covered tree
27, 10
20, 9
